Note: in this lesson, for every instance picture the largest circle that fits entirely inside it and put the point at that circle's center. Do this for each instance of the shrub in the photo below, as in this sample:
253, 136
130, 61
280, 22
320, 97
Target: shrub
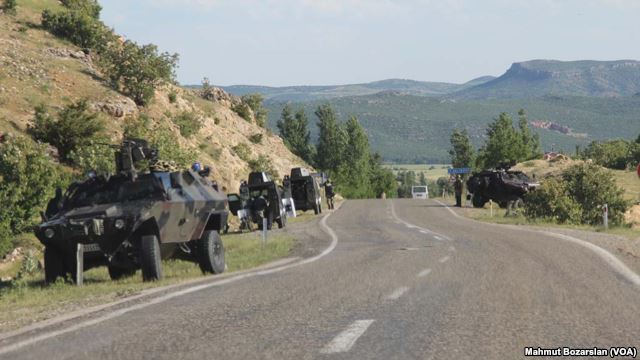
28, 179
256, 138
94, 156
552, 201
614, 154
173, 97
243, 151
136, 70
577, 197
9, 7
243, 110
78, 27
263, 163
254, 101
188, 123
88, 7
162, 138
74, 126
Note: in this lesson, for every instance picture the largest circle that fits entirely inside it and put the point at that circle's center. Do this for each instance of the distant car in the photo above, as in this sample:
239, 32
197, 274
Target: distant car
500, 186
134, 220
419, 192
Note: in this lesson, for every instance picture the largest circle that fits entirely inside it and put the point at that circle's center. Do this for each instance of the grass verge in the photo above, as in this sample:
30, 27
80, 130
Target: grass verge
27, 300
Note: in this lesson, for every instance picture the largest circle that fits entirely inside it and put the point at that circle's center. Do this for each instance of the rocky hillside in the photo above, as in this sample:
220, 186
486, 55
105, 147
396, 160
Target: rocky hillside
38, 68
539, 78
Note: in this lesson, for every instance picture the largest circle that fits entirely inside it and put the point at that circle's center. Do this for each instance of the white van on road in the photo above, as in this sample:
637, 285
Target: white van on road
419, 192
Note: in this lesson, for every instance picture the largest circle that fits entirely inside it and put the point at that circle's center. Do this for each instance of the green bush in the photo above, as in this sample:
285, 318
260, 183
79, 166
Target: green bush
78, 27
243, 151
162, 138
73, 126
188, 123
9, 7
263, 163
577, 197
28, 179
136, 70
94, 156
243, 110
614, 154
254, 101
88, 7
552, 202
173, 97
256, 138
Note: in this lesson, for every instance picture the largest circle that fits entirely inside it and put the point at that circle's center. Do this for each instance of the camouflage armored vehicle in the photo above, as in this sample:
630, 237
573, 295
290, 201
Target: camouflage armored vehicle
306, 190
135, 219
501, 186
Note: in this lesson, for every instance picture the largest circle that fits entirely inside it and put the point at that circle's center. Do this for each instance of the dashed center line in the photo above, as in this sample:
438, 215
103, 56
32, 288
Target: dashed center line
346, 339
438, 238
444, 259
398, 293
424, 272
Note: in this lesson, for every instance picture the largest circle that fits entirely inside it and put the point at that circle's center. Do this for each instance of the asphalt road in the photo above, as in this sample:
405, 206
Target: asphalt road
407, 280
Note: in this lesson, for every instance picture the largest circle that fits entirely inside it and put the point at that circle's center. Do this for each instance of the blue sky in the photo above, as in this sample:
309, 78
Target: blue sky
314, 42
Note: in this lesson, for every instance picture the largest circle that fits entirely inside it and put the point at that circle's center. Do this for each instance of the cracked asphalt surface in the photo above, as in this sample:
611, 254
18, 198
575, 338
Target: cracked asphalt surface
478, 292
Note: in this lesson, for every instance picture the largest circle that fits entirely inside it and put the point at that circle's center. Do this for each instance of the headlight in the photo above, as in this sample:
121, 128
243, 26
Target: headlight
48, 233
119, 224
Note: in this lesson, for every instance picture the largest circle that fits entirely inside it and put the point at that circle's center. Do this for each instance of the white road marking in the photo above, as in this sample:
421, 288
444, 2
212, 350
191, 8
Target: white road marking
608, 257
397, 293
444, 259
438, 238
424, 272
47, 335
346, 339
412, 226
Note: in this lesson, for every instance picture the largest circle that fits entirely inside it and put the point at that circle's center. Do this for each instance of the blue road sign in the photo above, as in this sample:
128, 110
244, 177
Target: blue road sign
459, 171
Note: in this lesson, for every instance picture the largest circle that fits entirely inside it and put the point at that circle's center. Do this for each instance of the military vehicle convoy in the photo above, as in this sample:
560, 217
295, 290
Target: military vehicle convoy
306, 190
500, 185
135, 218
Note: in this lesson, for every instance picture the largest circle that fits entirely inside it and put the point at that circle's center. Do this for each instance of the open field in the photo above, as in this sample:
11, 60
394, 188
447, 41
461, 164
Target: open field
431, 171
27, 300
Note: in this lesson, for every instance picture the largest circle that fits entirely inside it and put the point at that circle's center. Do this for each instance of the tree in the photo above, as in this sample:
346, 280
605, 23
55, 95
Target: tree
89, 7
136, 70
613, 154
461, 149
504, 144
295, 133
423, 179
382, 180
254, 101
353, 174
79, 27
75, 125
530, 141
9, 7
331, 141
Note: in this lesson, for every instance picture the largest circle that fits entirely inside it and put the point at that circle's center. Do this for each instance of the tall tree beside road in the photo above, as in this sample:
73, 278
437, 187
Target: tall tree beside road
331, 141
461, 149
531, 141
295, 133
353, 174
504, 145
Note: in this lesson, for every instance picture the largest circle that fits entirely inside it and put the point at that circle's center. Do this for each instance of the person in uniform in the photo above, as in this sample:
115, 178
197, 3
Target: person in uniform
457, 187
328, 191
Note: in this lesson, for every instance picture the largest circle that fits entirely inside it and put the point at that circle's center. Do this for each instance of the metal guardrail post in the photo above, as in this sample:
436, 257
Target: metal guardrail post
264, 231
605, 216
79, 265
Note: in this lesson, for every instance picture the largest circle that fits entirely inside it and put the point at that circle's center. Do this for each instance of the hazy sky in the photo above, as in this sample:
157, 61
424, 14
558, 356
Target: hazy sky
313, 42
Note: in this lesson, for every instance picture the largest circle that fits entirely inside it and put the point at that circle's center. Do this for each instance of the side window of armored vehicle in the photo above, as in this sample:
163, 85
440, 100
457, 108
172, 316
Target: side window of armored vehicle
164, 179
145, 187
188, 178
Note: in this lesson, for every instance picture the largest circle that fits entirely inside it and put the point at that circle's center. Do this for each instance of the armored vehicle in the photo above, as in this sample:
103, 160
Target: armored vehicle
501, 186
306, 190
259, 198
134, 219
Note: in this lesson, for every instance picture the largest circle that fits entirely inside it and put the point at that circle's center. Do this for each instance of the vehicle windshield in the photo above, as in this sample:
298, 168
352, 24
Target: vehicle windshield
99, 190
419, 189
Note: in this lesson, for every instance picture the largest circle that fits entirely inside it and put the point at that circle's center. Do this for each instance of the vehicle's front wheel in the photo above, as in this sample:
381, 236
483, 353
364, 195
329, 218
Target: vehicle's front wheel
53, 265
478, 201
211, 253
150, 258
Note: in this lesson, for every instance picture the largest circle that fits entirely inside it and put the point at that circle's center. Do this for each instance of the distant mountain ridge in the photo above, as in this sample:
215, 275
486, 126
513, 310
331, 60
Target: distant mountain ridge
327, 92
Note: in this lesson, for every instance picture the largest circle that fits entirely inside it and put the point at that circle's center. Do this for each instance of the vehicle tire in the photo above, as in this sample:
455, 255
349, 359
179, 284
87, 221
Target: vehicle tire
478, 201
316, 208
320, 206
150, 258
117, 273
53, 265
210, 253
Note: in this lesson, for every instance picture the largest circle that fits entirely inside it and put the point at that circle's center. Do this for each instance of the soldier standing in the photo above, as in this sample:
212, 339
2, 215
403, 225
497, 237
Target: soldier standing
458, 190
328, 191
